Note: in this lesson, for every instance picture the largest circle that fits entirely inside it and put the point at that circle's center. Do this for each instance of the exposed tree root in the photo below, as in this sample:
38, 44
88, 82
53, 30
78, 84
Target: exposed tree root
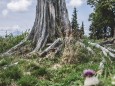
15, 48
54, 47
51, 22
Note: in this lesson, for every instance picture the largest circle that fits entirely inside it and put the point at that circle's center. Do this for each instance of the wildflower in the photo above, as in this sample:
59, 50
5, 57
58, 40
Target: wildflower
89, 73
90, 78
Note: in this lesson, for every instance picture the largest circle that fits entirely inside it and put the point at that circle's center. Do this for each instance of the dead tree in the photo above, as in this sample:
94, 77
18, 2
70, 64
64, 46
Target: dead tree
51, 22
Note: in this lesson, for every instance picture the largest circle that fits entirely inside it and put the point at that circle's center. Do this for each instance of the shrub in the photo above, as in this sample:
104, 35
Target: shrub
5, 81
28, 81
11, 73
37, 70
3, 62
9, 41
32, 67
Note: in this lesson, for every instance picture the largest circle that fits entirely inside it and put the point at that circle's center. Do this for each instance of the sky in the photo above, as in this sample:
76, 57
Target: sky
17, 16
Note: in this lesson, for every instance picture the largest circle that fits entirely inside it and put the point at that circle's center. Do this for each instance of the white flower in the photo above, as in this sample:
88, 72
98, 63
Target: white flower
113, 80
89, 81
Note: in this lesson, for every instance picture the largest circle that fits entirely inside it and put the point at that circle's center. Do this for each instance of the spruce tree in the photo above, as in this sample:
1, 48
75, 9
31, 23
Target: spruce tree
82, 28
74, 22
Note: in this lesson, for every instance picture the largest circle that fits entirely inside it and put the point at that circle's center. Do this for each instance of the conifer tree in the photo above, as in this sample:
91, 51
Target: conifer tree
74, 22
102, 18
82, 28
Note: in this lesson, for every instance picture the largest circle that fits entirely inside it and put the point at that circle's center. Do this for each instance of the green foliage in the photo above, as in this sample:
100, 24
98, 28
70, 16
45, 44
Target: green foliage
3, 62
82, 28
9, 41
74, 20
12, 73
28, 81
5, 82
9, 74
40, 72
102, 18
37, 70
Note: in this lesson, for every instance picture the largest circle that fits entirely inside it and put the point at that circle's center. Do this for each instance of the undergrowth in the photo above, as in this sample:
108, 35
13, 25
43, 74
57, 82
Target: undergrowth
40, 72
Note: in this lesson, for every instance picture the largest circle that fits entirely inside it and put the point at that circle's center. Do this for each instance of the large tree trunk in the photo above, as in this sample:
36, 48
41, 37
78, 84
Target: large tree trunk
51, 22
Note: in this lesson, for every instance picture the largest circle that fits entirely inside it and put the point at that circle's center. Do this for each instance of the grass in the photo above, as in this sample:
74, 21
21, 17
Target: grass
9, 41
67, 75
36, 72
28, 81
9, 74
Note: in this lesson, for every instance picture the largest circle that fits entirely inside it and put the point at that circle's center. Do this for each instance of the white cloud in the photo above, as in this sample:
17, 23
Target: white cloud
10, 28
19, 5
75, 3
5, 12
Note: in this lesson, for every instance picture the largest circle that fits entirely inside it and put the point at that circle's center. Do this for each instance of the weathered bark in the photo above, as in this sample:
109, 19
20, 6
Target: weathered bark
51, 21
53, 47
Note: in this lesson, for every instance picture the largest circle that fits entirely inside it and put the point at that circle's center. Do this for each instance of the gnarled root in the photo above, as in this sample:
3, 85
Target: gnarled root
54, 47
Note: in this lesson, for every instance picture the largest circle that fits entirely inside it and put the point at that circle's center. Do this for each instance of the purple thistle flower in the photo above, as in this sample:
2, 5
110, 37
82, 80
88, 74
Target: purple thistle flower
89, 73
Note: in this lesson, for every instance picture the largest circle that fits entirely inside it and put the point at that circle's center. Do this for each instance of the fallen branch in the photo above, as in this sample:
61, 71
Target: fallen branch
88, 48
110, 49
104, 50
107, 42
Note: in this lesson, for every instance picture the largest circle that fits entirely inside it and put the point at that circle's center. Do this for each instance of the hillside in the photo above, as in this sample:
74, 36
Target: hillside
65, 69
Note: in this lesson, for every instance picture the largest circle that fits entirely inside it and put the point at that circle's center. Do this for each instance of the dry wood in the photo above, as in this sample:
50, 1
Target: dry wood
53, 47
107, 42
105, 51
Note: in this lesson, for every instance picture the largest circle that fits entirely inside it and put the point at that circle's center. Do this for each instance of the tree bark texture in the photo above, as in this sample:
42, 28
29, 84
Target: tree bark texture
50, 23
